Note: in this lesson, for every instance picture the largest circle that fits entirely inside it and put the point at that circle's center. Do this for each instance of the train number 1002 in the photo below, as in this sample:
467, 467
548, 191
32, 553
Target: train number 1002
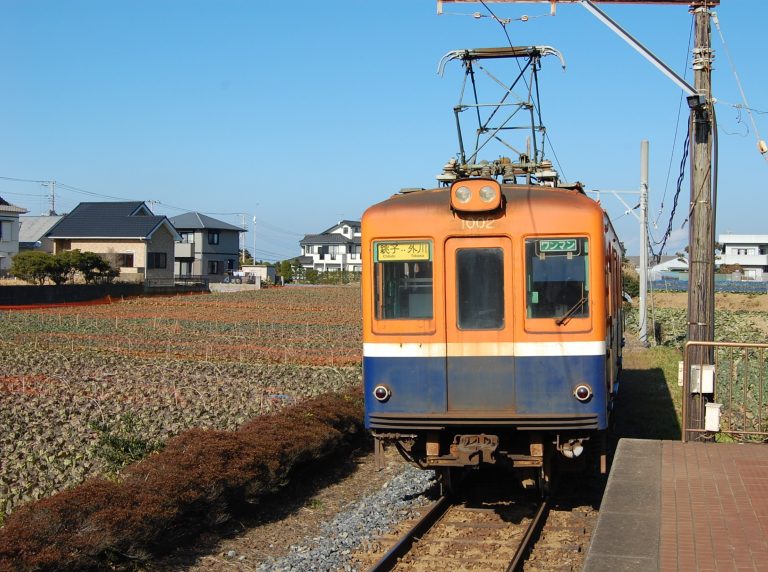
477, 223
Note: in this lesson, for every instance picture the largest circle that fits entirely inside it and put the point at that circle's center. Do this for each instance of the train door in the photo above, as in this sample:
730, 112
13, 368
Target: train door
479, 325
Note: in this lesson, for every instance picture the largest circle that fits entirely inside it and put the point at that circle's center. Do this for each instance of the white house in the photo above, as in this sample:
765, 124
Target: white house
337, 248
9, 233
750, 251
667, 268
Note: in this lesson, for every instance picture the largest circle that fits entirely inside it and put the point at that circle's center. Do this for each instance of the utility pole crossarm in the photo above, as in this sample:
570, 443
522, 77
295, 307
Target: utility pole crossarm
645, 52
553, 2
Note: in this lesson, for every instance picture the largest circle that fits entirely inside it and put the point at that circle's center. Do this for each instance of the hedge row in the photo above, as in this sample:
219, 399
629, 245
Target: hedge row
197, 481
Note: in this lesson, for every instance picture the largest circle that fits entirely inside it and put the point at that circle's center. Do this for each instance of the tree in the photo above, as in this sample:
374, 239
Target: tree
92, 266
32, 266
286, 271
37, 266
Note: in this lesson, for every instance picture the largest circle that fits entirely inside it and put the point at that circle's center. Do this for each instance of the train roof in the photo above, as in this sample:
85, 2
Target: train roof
534, 198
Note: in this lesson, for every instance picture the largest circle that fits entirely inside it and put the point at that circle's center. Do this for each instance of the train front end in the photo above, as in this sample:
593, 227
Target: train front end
488, 329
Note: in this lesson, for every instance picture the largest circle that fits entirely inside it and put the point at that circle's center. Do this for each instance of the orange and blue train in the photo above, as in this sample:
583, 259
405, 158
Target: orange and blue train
493, 326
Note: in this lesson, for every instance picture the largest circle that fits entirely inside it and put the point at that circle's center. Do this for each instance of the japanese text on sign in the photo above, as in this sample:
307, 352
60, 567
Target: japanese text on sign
398, 251
558, 245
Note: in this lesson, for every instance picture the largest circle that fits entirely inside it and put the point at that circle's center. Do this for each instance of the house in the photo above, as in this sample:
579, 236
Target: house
263, 273
34, 230
750, 251
208, 247
132, 238
673, 267
9, 233
337, 248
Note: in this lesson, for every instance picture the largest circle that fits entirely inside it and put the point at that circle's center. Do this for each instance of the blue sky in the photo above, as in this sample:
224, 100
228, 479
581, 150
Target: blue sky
303, 113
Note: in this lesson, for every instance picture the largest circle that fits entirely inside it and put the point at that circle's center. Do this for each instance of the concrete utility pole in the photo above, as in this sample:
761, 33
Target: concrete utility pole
644, 242
701, 246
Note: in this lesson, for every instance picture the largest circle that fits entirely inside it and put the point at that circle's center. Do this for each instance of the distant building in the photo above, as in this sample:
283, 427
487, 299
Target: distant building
34, 230
750, 251
127, 234
337, 248
9, 233
208, 247
265, 274
668, 268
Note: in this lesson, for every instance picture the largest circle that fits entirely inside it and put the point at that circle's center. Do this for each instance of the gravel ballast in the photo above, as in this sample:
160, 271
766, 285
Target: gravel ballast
373, 515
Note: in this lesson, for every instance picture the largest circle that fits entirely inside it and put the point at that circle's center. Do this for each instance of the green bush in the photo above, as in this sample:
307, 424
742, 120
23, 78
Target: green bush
630, 281
37, 266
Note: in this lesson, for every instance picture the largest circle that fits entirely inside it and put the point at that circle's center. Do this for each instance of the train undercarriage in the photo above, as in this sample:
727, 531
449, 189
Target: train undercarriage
532, 456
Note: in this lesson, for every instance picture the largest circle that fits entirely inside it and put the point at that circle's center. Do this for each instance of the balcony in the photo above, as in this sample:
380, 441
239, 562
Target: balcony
184, 250
745, 260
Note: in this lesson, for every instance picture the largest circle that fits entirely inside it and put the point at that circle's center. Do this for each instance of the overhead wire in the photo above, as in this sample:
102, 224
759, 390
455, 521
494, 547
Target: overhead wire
537, 105
760, 143
677, 129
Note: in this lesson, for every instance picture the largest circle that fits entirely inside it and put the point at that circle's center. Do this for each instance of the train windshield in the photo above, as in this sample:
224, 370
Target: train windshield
402, 275
557, 278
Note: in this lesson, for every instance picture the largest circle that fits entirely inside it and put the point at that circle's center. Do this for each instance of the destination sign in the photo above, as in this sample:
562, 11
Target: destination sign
402, 251
558, 245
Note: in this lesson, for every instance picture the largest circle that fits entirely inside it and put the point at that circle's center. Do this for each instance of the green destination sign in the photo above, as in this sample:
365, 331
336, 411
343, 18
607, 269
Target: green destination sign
558, 245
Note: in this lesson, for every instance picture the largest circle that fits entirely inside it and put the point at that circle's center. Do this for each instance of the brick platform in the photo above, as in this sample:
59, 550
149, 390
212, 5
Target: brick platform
683, 506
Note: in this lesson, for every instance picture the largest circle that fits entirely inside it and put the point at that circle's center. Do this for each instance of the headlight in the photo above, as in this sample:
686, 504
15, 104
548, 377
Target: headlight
487, 194
463, 194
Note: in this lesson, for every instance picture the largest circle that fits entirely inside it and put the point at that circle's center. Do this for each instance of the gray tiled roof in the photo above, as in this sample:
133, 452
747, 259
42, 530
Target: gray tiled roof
334, 238
34, 228
351, 223
108, 220
196, 221
8, 208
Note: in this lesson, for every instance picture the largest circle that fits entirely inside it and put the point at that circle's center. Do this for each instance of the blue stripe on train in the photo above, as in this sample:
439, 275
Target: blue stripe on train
495, 384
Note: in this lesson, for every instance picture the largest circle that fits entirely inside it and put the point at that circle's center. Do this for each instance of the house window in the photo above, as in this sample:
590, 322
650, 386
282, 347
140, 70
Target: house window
5, 230
187, 237
213, 237
120, 259
185, 267
214, 267
157, 260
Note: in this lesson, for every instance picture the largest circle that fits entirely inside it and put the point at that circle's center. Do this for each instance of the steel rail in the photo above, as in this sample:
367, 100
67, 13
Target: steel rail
390, 560
403, 546
534, 528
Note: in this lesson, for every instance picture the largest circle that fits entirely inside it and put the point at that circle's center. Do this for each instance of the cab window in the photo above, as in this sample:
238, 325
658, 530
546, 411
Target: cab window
403, 280
557, 278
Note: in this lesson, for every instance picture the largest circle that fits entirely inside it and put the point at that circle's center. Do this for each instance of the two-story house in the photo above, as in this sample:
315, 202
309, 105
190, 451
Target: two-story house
127, 234
208, 247
750, 251
337, 248
9, 233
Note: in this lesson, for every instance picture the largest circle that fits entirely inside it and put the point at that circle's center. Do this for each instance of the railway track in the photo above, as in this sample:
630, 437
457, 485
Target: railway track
475, 533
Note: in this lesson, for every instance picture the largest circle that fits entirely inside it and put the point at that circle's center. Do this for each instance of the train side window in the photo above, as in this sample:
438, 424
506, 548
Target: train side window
557, 278
403, 281
480, 288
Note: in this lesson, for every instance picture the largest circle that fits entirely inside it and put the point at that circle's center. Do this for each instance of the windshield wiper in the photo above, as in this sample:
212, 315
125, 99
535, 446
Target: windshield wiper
564, 318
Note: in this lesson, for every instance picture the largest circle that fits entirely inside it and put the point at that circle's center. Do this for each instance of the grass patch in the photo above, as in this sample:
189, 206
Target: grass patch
649, 401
